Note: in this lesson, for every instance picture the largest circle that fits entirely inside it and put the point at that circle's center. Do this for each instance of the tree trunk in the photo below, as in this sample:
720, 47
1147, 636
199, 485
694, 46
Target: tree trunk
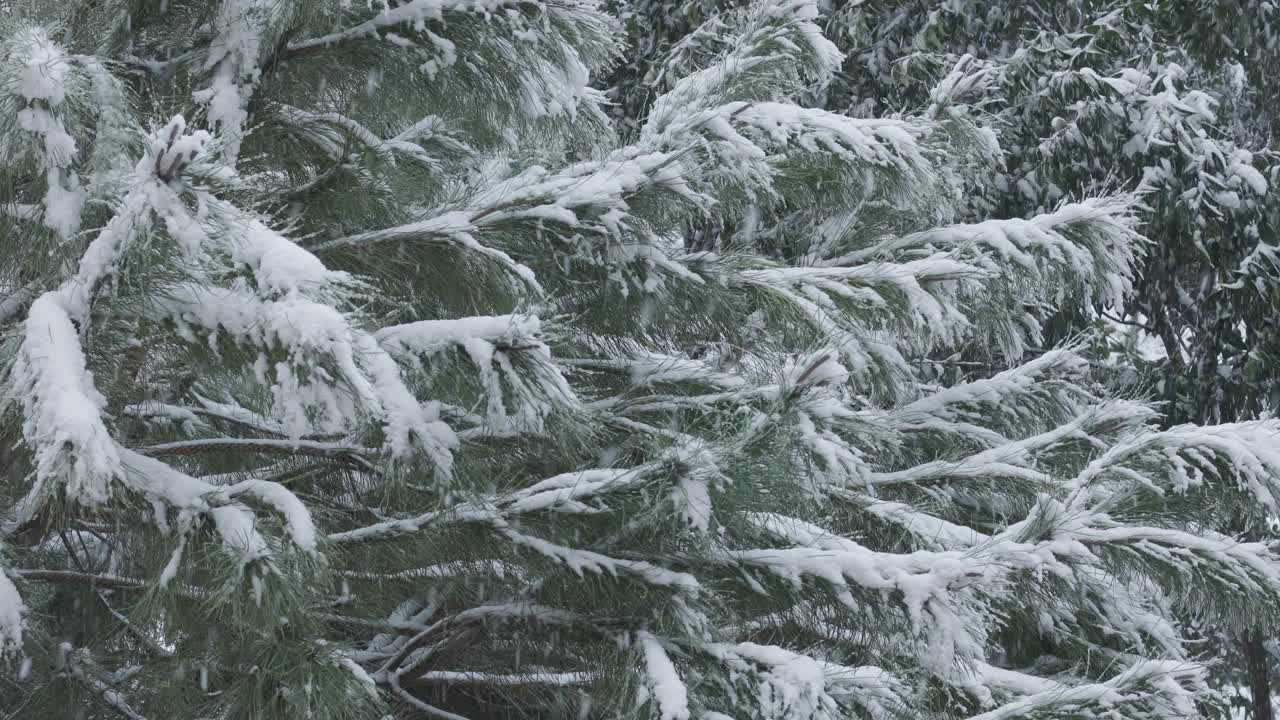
1259, 667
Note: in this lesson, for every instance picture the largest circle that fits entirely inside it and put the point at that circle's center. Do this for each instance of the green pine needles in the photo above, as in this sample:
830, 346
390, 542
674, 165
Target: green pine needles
357, 364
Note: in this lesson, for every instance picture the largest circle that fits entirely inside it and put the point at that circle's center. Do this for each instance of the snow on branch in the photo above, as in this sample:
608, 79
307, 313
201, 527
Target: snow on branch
1009, 398
794, 685
62, 408
565, 492
451, 229
429, 337
586, 206
41, 82
647, 368
934, 531
664, 686
928, 581
76, 664
313, 333
414, 13
168, 488
767, 47
358, 456
579, 560
1187, 458
891, 144
325, 128
1092, 244
590, 196
550, 679
1233, 567
387, 529
490, 342
1016, 459
913, 293
532, 30
12, 615
855, 308
1171, 686
753, 147
242, 36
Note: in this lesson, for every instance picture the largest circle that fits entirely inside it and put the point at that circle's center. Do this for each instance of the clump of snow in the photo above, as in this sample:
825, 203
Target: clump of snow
295, 512
42, 85
63, 420
665, 685
237, 526
428, 337
235, 56
12, 612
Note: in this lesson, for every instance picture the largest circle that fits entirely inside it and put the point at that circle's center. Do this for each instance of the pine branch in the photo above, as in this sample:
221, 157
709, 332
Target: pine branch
99, 580
479, 678
356, 456
110, 697
1131, 323
422, 706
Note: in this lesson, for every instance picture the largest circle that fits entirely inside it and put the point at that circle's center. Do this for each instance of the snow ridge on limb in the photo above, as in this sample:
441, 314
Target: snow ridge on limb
549, 48
62, 407
293, 301
927, 581
61, 404
758, 146
1093, 244
665, 686
1169, 688
1010, 396
1188, 458
493, 344
173, 489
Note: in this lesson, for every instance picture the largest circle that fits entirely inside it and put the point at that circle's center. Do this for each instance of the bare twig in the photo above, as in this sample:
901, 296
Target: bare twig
1122, 321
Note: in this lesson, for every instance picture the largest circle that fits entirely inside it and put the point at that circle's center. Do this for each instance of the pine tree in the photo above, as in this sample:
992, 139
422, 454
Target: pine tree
354, 365
1162, 98
1168, 98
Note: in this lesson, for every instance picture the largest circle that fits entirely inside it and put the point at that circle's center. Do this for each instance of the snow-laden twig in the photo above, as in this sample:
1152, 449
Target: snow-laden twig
109, 696
554, 679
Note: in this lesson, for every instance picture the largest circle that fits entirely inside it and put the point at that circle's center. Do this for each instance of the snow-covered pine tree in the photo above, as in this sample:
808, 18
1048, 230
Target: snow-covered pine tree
1163, 98
1168, 98
352, 366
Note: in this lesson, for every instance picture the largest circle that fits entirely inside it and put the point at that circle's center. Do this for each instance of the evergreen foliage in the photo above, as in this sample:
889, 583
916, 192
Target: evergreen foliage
1162, 98
356, 362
